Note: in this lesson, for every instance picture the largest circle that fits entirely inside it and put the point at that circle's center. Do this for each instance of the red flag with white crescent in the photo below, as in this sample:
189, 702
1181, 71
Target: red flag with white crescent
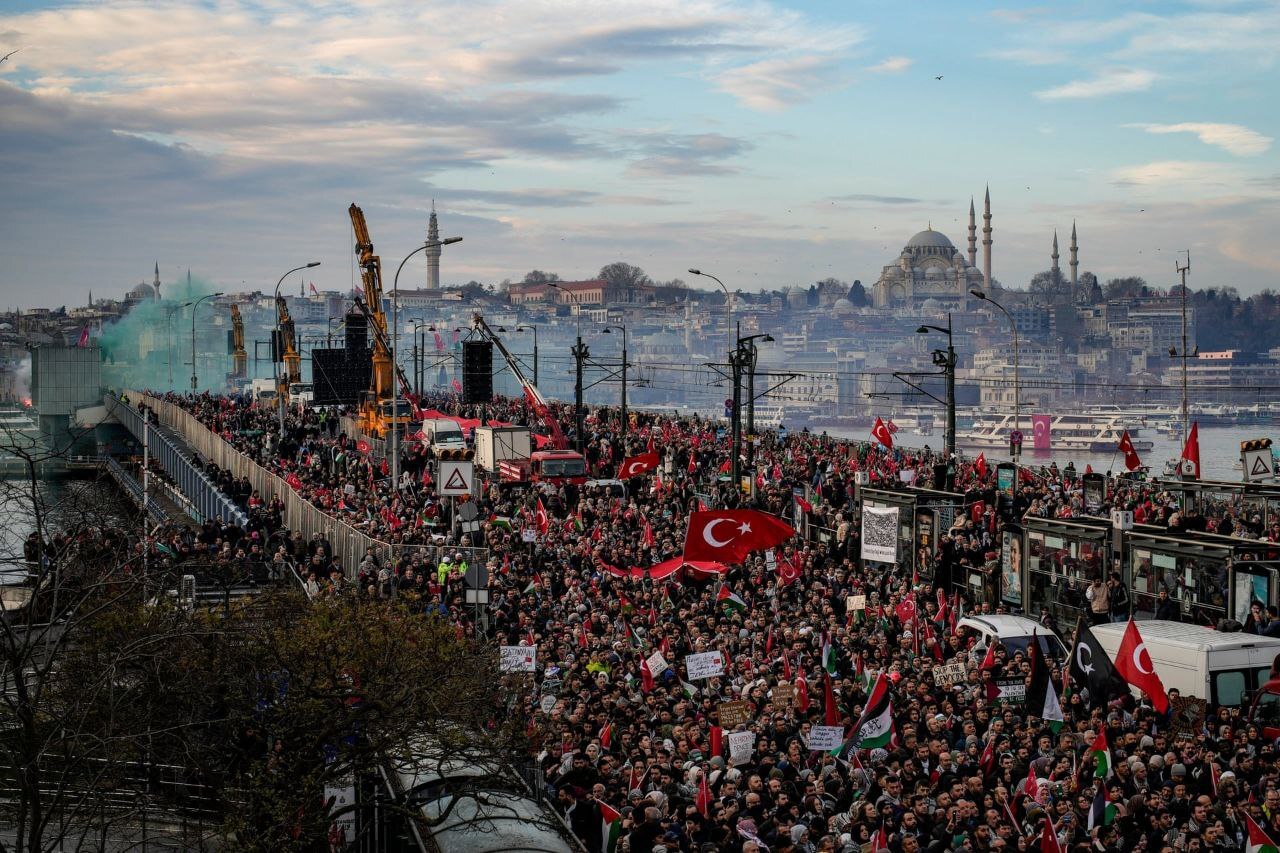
729, 535
635, 466
1133, 663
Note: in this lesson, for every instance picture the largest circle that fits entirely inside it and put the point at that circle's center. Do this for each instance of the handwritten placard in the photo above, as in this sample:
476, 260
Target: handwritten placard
783, 695
824, 738
704, 665
734, 714
949, 674
741, 745
518, 659
657, 664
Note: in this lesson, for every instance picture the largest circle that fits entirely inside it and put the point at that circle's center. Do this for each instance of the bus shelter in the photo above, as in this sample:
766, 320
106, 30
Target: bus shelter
1059, 559
1256, 506
920, 518
1206, 575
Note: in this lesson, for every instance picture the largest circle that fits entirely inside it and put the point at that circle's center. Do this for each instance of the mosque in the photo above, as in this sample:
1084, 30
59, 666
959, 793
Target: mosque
932, 268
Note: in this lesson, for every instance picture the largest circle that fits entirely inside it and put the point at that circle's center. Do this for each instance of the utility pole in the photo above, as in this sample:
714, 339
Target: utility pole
736, 360
624, 387
579, 414
1182, 270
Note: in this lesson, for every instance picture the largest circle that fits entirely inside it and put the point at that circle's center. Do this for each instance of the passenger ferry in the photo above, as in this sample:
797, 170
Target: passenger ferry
1088, 433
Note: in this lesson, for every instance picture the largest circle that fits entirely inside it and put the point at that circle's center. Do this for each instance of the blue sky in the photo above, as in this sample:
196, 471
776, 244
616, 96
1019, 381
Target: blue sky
772, 143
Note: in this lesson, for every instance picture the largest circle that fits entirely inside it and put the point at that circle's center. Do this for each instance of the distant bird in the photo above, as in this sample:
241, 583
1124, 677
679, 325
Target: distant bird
9, 54
939, 77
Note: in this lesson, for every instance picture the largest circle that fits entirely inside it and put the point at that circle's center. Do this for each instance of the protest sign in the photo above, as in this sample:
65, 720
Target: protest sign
823, 738
733, 714
740, 746
704, 665
518, 659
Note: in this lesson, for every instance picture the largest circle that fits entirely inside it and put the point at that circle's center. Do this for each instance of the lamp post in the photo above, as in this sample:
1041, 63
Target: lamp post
395, 353
608, 330
168, 322
419, 355
728, 304
275, 367
947, 361
194, 307
1015, 449
580, 354
751, 354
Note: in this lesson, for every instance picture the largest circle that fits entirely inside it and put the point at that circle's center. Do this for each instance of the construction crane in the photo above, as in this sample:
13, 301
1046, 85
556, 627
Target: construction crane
239, 357
292, 359
406, 389
379, 409
536, 401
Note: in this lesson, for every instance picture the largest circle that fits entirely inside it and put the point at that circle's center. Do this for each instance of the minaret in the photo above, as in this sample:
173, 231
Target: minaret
986, 240
973, 235
433, 252
156, 283
1057, 273
1075, 261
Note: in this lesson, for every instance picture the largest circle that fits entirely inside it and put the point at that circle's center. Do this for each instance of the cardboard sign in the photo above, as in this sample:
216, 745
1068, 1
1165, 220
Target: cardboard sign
950, 674
857, 602
518, 659
783, 695
734, 714
547, 704
657, 664
529, 534
1187, 716
1012, 690
704, 665
824, 738
741, 745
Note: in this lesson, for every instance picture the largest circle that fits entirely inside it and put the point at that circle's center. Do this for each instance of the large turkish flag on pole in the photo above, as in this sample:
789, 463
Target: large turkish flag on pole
1133, 663
634, 466
729, 535
881, 433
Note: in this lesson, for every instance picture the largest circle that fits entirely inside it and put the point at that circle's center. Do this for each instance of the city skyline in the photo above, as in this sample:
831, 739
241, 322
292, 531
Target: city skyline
774, 144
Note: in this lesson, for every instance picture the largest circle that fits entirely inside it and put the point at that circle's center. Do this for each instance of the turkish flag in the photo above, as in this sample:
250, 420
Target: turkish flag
831, 711
703, 801
729, 535
881, 433
1133, 663
1131, 460
363, 446
906, 610
293, 481
1191, 452
788, 571
541, 518
647, 535
802, 694
981, 466
634, 466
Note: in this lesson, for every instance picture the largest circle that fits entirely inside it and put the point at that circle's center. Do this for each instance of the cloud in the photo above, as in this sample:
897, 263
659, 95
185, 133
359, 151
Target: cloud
775, 84
1030, 55
892, 65
667, 155
1116, 81
1019, 16
876, 199
1234, 138
1183, 173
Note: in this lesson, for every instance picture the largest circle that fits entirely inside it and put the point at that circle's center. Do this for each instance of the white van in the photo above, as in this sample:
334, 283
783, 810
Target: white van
1014, 633
1198, 661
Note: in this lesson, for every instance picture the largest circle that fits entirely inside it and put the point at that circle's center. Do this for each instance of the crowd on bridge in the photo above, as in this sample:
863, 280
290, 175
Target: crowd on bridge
639, 758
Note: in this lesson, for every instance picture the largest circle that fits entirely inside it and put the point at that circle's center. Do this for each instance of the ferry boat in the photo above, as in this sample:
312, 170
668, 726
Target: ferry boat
1086, 433
768, 415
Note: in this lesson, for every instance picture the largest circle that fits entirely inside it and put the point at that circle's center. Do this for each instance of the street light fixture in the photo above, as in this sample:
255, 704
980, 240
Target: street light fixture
395, 353
728, 304
1015, 448
580, 354
194, 307
947, 361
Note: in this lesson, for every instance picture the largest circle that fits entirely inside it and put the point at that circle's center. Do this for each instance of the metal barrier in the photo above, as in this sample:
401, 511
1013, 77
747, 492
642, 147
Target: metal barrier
133, 489
205, 497
349, 545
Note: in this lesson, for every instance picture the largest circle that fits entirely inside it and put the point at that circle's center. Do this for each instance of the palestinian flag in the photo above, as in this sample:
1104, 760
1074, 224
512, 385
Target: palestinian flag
1101, 756
1042, 693
690, 690
533, 584
730, 602
503, 522
633, 639
828, 655
1258, 841
1102, 812
625, 603
610, 827
875, 727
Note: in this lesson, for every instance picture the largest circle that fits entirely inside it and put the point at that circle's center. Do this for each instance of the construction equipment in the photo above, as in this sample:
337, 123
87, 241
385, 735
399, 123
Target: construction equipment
531, 392
380, 411
239, 357
288, 345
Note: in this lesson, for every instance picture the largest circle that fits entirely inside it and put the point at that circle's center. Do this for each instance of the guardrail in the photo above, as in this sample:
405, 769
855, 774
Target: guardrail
349, 544
133, 489
204, 496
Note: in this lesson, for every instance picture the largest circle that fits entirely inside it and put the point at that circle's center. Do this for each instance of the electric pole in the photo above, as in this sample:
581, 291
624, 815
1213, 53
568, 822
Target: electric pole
1182, 270
579, 420
736, 359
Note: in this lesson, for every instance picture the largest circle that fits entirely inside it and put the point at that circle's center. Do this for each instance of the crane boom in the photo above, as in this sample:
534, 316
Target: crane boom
531, 392
239, 357
405, 388
371, 277
292, 360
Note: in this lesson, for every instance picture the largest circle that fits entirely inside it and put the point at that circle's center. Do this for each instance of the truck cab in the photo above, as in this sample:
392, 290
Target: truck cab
558, 466
445, 438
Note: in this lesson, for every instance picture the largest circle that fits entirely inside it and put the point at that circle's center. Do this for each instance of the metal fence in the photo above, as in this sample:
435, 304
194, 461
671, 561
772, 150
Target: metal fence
349, 545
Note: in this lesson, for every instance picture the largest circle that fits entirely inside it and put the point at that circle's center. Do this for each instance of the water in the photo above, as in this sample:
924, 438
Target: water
69, 504
1219, 450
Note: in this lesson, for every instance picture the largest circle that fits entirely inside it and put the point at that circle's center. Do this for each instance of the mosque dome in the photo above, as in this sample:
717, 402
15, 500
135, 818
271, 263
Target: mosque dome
142, 291
843, 307
930, 239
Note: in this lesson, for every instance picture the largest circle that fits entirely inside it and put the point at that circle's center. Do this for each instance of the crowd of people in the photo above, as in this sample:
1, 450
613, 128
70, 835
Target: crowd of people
638, 756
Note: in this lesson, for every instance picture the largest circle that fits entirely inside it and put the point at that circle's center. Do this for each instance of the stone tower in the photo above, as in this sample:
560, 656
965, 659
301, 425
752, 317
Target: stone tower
156, 284
1057, 273
1074, 262
973, 235
986, 240
433, 252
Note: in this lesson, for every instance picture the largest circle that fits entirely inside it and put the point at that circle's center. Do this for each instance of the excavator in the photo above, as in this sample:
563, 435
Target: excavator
555, 464
239, 357
380, 411
292, 373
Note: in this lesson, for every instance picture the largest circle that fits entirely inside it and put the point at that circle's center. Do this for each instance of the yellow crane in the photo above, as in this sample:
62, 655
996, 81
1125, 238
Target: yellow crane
239, 357
378, 408
292, 372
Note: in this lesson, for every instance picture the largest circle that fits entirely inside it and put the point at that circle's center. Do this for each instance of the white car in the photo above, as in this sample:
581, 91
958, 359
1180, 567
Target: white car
1014, 633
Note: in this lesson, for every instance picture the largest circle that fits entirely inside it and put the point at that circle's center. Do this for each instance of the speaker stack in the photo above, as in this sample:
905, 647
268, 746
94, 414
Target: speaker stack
477, 371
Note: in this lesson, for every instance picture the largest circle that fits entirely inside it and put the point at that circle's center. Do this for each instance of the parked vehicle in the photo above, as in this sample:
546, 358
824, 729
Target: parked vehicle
1014, 633
500, 444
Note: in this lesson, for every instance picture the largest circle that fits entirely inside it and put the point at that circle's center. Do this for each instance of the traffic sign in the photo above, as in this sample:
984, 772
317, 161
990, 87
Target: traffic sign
1016, 436
455, 478
1256, 464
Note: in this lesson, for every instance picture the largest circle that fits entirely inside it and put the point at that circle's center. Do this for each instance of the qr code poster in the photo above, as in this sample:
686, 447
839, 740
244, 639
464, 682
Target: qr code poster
880, 534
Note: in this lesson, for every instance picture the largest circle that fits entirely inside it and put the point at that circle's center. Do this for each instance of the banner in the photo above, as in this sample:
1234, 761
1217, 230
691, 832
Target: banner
741, 745
518, 659
1040, 432
824, 738
704, 665
880, 534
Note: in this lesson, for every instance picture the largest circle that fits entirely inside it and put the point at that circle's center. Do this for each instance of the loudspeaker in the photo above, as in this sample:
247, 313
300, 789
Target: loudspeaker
340, 376
357, 326
477, 371
277, 345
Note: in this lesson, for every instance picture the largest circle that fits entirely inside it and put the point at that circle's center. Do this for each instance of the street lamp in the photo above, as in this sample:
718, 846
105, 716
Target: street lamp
168, 322
275, 369
947, 361
746, 352
1015, 449
419, 354
580, 354
608, 330
728, 304
395, 353
194, 307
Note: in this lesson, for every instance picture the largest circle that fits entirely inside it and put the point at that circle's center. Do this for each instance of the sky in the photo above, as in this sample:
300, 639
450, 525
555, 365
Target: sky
771, 143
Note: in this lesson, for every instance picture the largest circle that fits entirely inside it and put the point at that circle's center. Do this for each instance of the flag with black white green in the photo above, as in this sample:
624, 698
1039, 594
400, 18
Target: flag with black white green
729, 601
875, 727
1101, 756
1259, 841
610, 827
1102, 812
828, 655
1042, 695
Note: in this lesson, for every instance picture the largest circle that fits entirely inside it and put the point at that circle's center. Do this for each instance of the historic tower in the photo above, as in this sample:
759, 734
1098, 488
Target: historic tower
973, 235
986, 240
156, 283
1057, 273
433, 251
1074, 262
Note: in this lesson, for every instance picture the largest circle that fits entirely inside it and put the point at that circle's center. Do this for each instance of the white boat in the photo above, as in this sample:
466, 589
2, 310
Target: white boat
1085, 433
768, 415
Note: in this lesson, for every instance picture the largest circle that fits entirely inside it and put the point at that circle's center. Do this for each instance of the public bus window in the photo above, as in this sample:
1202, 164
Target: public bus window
1144, 584
1261, 676
1229, 687
1091, 555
